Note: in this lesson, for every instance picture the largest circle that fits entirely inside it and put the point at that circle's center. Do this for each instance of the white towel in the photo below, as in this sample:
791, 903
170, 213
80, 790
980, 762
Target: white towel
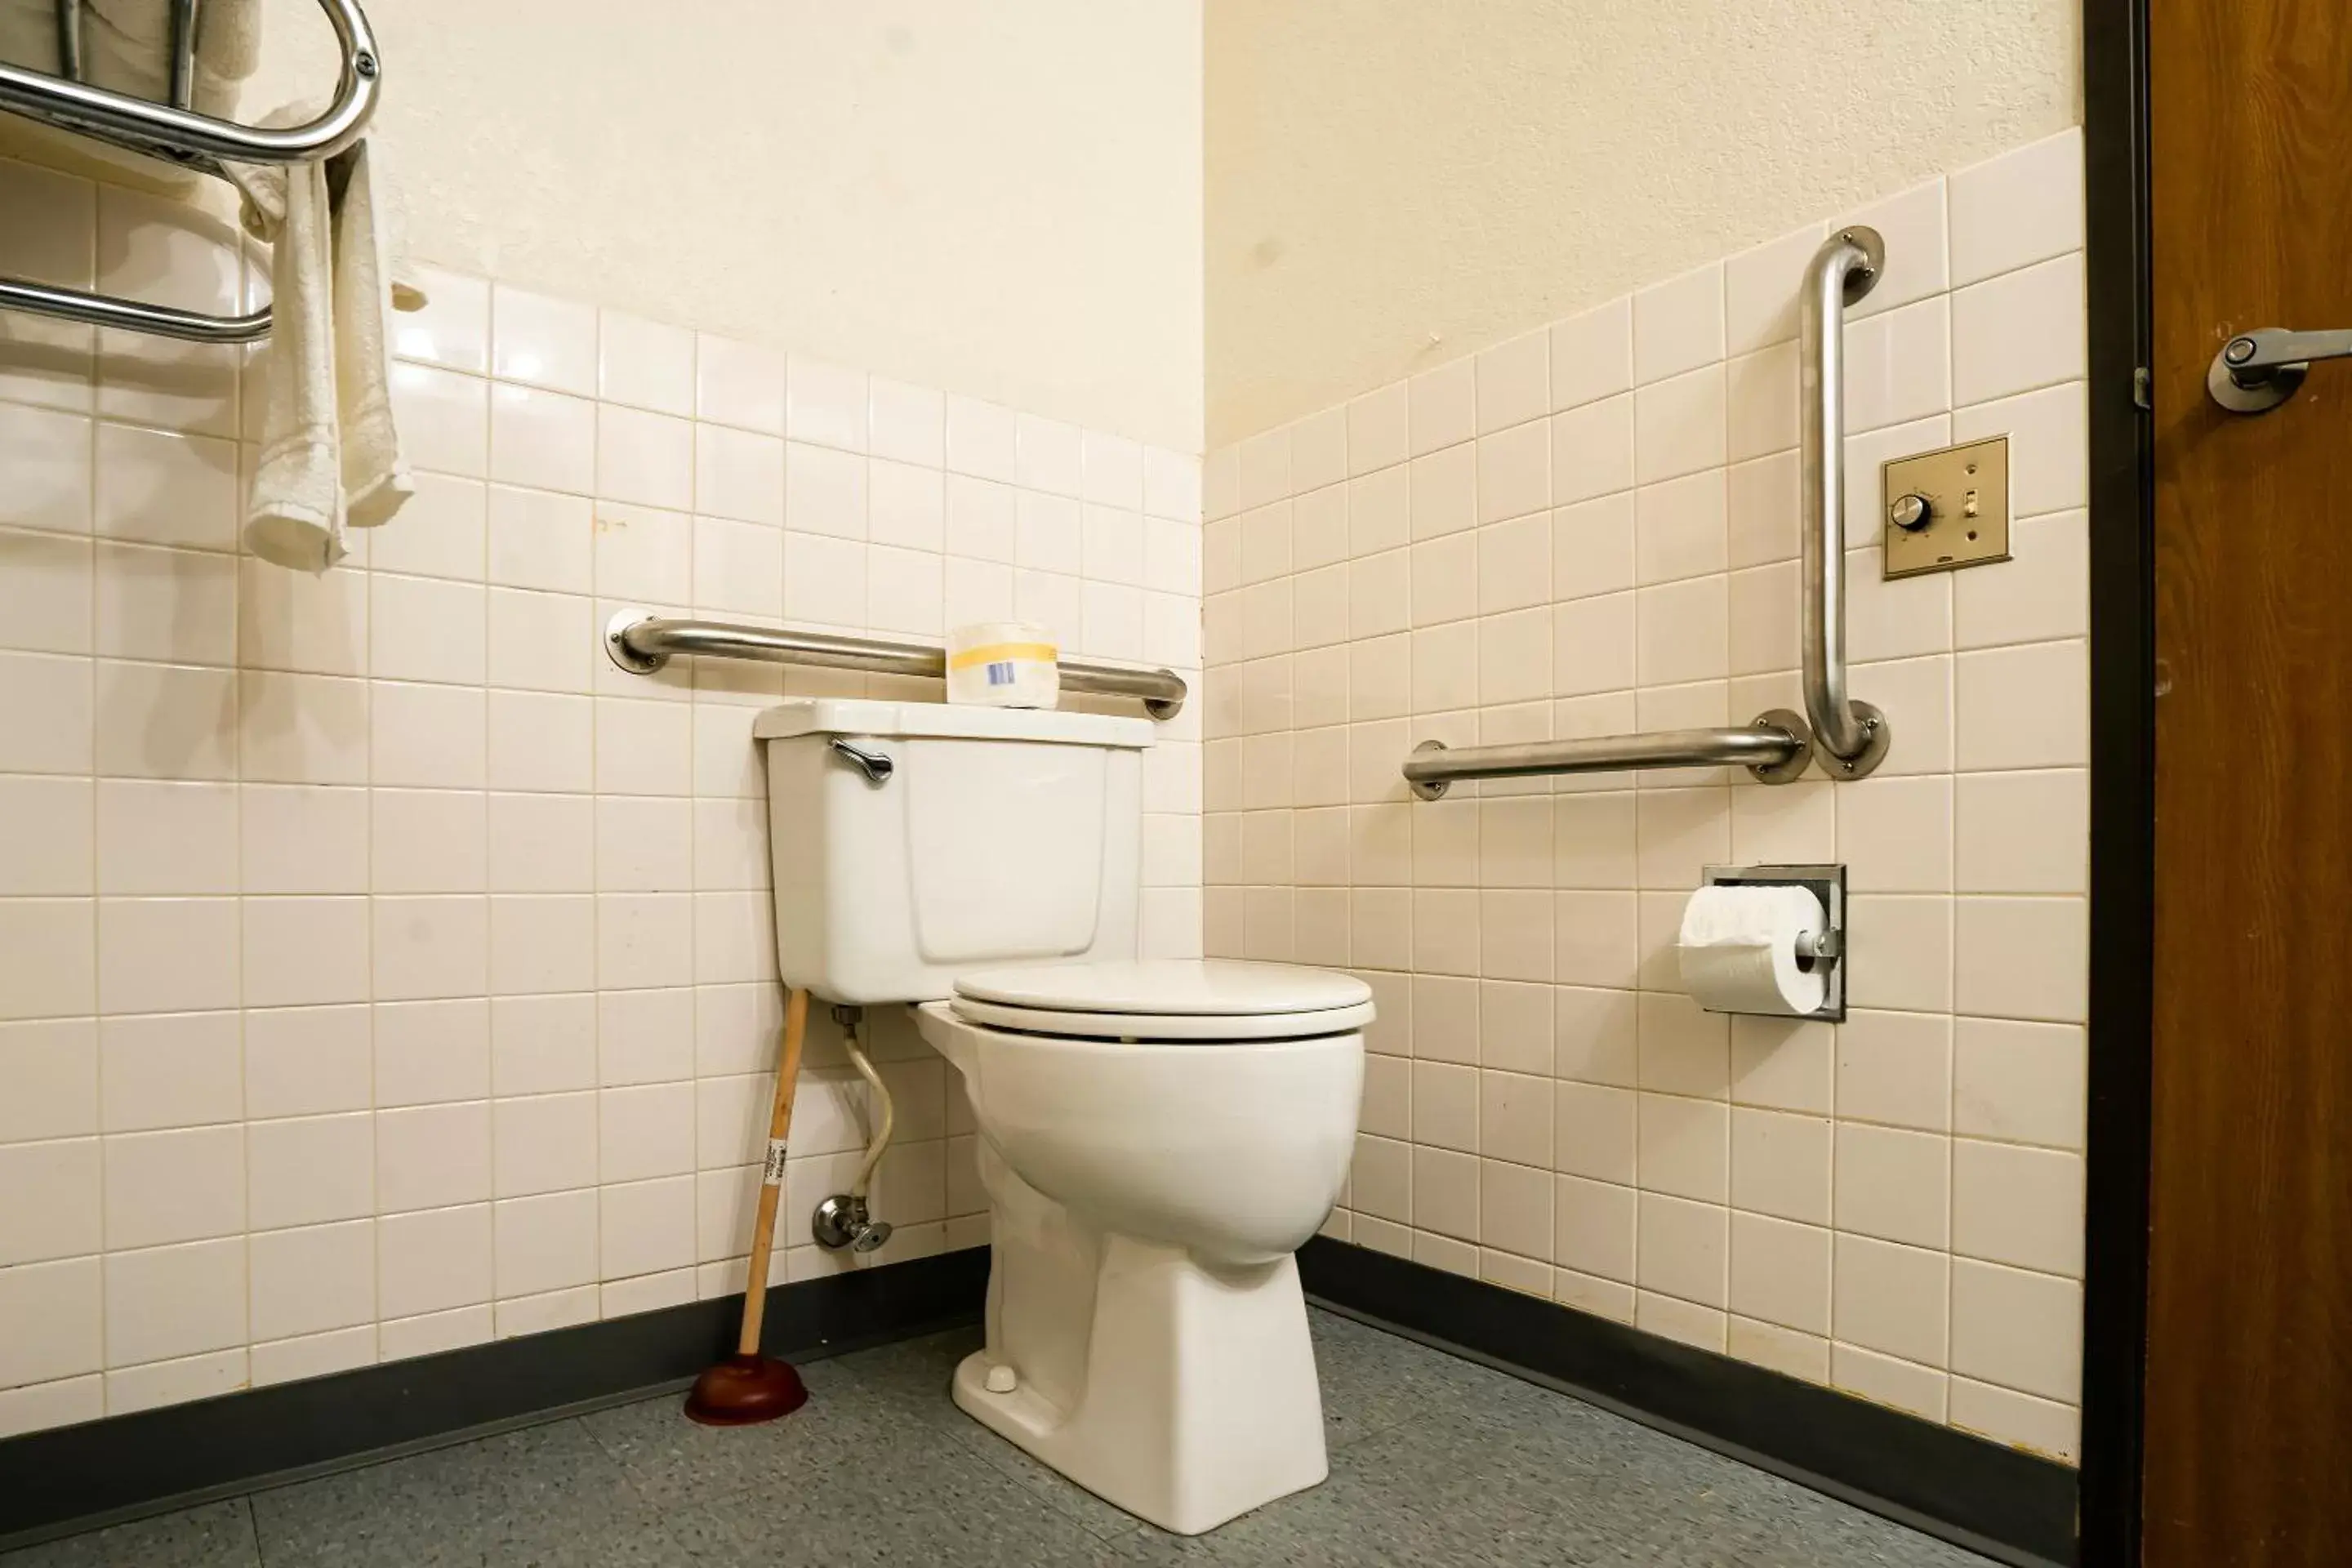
127, 49
330, 451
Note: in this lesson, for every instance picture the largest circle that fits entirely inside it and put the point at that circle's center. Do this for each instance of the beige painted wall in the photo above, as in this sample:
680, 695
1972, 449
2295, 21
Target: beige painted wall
1004, 200
1395, 182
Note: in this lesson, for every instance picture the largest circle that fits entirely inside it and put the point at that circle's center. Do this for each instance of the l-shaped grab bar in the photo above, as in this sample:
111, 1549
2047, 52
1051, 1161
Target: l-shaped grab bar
1849, 737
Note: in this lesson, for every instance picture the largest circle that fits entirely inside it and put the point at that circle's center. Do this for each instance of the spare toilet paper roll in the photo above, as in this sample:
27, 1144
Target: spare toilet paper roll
1738, 948
1004, 664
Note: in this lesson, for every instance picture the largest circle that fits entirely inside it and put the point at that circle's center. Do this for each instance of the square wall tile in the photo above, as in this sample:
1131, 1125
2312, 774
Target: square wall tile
160, 1071
906, 422
170, 1301
1895, 1069
2023, 832
2018, 1329
1679, 425
310, 1170
1900, 953
2020, 1083
542, 340
160, 955
1684, 1250
1514, 382
1761, 288
1593, 355
179, 1186
1781, 1272
66, 1221
2018, 332
1592, 448
452, 330
1444, 403
738, 384
1686, 1147
2020, 1207
2049, 450
1678, 325
1780, 1166
1889, 1381
1894, 1300
825, 403
1893, 1185
646, 364
1914, 226
2022, 207
1377, 435
2021, 958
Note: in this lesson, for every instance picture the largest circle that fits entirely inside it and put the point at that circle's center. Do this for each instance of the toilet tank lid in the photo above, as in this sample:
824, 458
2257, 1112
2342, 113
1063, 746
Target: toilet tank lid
1192, 986
946, 720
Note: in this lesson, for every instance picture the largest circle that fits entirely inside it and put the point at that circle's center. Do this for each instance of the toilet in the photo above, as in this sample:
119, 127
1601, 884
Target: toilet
1157, 1137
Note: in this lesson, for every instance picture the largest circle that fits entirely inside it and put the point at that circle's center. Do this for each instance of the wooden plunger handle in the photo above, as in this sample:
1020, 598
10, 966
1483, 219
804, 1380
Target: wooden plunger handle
771, 1172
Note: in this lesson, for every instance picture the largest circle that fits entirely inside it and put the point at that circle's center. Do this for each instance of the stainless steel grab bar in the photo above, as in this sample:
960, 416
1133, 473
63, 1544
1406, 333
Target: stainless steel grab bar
641, 643
1775, 748
1851, 737
178, 135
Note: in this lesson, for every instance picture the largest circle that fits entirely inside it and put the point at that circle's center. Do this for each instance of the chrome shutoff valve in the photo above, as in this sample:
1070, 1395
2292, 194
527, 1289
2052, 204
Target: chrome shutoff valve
841, 1221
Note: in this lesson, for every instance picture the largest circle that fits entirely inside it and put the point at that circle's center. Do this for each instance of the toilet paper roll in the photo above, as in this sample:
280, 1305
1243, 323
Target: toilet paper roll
1004, 664
1738, 950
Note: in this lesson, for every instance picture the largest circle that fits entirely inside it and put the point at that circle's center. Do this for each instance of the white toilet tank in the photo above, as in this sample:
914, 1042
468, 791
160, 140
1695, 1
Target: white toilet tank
966, 837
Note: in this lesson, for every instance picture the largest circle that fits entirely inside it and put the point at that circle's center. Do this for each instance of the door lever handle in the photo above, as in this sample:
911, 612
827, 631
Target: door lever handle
877, 767
2256, 372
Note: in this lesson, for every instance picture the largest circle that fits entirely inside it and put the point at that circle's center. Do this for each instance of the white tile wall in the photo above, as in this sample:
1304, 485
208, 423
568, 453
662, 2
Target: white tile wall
380, 970
1594, 528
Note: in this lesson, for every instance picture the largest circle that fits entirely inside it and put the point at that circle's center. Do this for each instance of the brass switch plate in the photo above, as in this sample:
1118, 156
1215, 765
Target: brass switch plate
1967, 491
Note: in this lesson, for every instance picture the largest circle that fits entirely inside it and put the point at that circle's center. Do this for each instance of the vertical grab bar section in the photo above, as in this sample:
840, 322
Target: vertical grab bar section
1849, 738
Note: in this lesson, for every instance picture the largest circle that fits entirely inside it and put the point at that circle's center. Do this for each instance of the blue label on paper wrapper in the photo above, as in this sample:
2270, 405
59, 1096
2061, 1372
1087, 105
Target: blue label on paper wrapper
1000, 673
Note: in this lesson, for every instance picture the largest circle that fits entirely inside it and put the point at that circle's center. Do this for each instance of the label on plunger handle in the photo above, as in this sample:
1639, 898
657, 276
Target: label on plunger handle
772, 1174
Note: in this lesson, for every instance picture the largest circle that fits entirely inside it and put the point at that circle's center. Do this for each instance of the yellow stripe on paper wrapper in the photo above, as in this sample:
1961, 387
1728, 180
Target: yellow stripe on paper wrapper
997, 652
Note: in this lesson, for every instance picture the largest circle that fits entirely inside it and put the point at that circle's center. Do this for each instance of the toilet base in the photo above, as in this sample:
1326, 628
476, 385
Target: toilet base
1200, 1401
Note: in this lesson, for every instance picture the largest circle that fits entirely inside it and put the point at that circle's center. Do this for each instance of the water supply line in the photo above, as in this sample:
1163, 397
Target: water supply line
843, 1220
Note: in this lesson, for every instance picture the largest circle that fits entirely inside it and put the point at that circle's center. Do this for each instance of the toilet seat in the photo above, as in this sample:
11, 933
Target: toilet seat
1164, 1028
1166, 1001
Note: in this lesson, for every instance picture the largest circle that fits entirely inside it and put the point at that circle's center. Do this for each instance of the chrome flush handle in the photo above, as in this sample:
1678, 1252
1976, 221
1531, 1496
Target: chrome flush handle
877, 767
2257, 371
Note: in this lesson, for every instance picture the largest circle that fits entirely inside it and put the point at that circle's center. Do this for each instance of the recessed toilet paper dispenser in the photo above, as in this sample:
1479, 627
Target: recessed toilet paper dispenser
1767, 940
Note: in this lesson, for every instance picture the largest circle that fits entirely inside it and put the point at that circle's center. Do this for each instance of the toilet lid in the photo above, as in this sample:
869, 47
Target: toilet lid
1166, 999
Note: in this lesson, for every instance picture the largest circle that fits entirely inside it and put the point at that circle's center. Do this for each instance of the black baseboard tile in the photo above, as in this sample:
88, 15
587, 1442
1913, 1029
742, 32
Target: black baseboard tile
2006, 1504
100, 1472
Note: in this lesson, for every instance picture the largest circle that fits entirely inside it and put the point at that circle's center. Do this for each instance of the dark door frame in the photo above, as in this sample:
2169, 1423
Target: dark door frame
2123, 770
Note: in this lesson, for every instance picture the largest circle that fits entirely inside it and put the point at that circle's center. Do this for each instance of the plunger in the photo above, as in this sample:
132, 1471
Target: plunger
747, 1388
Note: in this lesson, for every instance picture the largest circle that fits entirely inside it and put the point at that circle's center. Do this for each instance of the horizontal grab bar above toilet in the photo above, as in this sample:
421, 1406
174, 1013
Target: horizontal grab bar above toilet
641, 643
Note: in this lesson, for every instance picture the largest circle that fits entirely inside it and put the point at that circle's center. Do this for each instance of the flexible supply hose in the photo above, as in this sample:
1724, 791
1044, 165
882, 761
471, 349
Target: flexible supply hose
888, 1119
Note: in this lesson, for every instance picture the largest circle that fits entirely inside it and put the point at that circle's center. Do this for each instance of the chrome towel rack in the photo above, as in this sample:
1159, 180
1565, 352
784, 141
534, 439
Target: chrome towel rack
178, 134
641, 643
1850, 737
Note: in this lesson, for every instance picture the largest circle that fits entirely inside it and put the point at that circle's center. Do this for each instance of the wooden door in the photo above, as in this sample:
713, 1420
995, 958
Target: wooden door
2248, 1440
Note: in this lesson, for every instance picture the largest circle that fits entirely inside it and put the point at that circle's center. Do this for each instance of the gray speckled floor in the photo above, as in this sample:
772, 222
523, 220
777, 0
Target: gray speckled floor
1434, 1460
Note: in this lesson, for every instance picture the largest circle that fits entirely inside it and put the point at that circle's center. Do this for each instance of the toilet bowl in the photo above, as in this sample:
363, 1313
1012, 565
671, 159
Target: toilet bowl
1156, 1138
